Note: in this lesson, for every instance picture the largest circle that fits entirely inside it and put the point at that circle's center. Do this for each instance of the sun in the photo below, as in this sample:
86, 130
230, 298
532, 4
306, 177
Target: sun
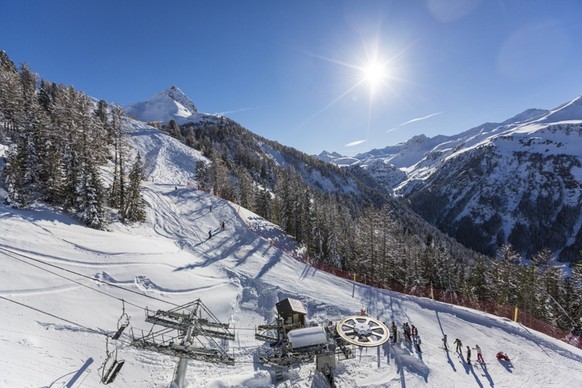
375, 74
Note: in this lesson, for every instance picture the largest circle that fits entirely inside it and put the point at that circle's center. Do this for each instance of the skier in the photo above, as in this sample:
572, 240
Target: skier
446, 346
413, 331
417, 343
479, 355
406, 330
468, 355
459, 348
502, 356
394, 332
209, 234
222, 225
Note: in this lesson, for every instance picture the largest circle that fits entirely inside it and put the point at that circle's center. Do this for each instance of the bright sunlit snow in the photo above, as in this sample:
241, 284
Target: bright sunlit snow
239, 274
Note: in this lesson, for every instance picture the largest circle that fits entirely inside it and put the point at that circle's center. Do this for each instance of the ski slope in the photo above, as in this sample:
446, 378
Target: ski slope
55, 315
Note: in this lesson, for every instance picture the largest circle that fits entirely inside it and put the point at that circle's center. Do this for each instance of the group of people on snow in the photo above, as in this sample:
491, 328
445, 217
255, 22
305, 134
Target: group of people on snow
410, 334
222, 226
459, 349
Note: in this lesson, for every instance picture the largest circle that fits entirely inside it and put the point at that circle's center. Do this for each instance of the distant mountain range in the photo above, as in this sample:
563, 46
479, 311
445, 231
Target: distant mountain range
519, 181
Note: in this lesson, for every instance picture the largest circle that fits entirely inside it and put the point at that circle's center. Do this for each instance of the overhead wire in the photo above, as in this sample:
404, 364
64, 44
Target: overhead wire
9, 253
12, 255
54, 316
77, 282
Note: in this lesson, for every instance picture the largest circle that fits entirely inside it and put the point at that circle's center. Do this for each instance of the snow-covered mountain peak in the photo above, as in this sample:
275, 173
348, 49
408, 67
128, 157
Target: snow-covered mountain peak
567, 112
169, 104
177, 95
527, 115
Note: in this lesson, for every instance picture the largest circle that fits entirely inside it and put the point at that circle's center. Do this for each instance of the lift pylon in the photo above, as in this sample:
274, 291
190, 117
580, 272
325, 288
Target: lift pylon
188, 332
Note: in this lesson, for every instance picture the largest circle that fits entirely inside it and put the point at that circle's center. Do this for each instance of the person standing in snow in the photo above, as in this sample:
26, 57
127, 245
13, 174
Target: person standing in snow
394, 332
209, 234
406, 330
417, 343
459, 344
413, 331
468, 355
479, 355
445, 344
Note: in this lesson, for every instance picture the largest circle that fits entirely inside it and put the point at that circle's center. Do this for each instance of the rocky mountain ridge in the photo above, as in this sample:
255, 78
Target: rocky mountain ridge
518, 182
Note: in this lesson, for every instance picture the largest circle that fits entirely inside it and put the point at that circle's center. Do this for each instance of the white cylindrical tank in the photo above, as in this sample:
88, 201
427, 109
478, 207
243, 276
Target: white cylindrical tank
305, 337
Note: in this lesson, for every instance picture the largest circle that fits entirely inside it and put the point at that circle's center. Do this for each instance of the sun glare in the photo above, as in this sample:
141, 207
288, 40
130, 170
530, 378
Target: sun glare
373, 71
375, 74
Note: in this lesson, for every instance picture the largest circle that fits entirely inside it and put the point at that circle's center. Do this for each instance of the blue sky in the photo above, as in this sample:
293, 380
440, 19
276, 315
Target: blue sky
293, 71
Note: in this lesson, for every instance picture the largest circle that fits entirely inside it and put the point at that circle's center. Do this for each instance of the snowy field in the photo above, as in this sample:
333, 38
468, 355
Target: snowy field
55, 315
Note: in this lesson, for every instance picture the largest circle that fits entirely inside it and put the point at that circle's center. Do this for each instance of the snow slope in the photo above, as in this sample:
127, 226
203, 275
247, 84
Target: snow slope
55, 318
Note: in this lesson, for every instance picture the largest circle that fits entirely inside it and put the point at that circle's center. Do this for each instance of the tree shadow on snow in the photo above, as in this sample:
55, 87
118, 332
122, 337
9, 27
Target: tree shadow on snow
270, 263
404, 359
37, 213
308, 271
217, 255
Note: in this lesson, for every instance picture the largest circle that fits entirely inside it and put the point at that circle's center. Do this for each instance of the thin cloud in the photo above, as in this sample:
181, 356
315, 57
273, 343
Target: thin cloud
355, 143
228, 112
421, 118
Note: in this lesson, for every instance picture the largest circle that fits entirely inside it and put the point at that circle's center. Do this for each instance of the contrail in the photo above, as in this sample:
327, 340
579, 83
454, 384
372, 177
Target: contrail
420, 118
233, 111
355, 143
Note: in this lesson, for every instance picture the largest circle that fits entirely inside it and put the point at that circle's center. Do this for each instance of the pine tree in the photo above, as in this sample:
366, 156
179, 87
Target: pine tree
22, 173
89, 193
91, 203
263, 203
203, 176
505, 276
221, 186
247, 191
576, 307
10, 98
6, 64
15, 177
175, 130
47, 169
117, 188
135, 205
478, 283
